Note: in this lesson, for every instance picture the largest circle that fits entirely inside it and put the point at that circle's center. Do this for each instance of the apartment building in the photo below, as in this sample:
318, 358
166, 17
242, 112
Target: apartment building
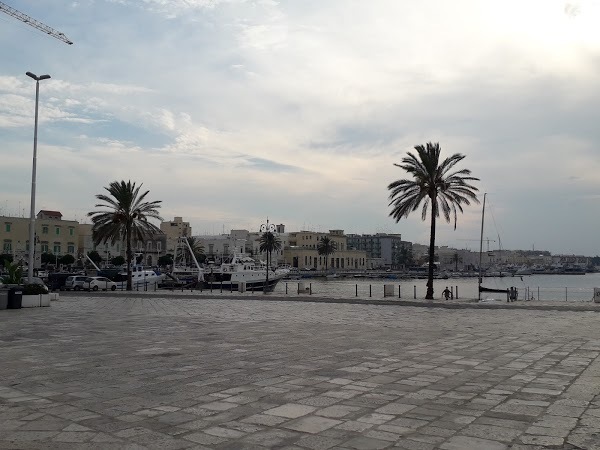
52, 233
383, 249
173, 230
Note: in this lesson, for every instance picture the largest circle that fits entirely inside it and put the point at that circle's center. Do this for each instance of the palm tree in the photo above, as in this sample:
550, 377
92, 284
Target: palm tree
126, 218
432, 182
269, 243
196, 246
326, 247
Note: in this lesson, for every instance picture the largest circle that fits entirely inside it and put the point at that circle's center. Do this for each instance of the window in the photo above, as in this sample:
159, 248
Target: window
7, 248
44, 247
159, 246
57, 231
45, 229
7, 225
71, 231
149, 246
56, 250
71, 248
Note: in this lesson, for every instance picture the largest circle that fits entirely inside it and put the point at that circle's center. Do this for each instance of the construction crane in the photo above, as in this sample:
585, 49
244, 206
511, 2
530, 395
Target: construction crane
33, 23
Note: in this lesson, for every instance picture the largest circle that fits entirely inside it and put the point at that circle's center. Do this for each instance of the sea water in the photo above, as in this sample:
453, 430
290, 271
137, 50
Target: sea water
575, 288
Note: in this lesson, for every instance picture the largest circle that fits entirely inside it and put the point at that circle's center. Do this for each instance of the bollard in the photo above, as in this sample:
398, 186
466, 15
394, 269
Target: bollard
388, 290
230, 287
310, 289
451, 292
221, 286
415, 292
399, 296
566, 295
457, 292
356, 294
538, 292
285, 288
369, 290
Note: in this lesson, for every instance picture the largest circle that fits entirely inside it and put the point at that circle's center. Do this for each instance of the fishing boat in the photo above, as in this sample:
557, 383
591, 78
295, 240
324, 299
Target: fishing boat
241, 269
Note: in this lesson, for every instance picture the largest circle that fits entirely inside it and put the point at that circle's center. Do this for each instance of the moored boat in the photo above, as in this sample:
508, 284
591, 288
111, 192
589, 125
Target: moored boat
241, 270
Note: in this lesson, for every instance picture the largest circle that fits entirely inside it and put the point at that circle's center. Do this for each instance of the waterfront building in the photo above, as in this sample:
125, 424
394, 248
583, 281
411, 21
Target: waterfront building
302, 252
173, 230
383, 250
52, 233
107, 250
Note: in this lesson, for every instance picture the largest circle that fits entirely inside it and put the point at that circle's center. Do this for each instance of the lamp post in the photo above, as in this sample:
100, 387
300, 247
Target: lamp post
33, 172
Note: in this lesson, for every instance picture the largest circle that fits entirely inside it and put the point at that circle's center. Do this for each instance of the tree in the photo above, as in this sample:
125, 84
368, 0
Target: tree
66, 259
326, 247
196, 246
47, 258
117, 261
269, 243
432, 183
126, 217
95, 256
165, 260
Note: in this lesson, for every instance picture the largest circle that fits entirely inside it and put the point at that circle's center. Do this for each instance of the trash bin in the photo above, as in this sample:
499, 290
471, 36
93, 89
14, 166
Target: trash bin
3, 298
15, 297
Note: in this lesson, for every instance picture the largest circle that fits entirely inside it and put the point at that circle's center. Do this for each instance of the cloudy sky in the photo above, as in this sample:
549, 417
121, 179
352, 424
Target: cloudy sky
232, 111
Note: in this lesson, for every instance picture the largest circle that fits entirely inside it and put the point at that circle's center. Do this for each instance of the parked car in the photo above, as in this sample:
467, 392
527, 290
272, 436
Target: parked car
75, 282
99, 283
56, 280
35, 280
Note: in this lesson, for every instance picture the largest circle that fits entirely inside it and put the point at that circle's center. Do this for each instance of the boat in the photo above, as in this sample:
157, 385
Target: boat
480, 287
141, 278
241, 268
524, 270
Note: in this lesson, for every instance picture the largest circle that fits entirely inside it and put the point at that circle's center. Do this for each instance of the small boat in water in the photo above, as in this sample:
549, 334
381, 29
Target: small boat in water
239, 269
141, 278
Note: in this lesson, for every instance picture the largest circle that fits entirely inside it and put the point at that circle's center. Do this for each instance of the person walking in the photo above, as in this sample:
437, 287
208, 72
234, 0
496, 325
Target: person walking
446, 293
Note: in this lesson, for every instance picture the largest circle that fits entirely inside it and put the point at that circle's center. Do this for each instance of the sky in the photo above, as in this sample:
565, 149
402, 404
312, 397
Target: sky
232, 112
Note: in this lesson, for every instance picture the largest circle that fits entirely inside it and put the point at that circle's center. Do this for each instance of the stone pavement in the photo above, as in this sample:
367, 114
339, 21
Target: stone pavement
111, 371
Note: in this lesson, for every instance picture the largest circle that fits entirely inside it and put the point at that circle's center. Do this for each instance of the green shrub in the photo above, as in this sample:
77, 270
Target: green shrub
34, 289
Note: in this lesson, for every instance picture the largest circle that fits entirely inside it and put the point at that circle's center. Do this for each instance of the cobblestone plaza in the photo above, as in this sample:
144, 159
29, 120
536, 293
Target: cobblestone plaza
112, 371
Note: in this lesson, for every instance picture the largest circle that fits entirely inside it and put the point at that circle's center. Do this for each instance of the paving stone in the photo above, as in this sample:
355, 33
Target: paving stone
311, 424
365, 443
152, 371
468, 442
290, 410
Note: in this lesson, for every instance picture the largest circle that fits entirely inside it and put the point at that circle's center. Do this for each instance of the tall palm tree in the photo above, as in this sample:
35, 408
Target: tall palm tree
126, 217
269, 243
326, 247
433, 183
196, 246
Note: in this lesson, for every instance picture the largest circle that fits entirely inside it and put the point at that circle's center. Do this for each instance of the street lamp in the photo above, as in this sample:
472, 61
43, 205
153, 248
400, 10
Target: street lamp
32, 211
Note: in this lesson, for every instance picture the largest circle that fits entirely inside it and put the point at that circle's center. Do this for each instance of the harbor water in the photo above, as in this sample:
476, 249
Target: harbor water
570, 288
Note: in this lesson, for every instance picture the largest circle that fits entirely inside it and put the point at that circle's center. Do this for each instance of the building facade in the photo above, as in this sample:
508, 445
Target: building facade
383, 250
302, 252
173, 230
52, 234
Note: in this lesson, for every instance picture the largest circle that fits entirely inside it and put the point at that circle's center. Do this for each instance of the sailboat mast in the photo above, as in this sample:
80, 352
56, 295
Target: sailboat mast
481, 246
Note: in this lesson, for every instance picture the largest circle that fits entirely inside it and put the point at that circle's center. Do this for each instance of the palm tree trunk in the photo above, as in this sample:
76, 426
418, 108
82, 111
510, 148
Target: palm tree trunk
129, 256
429, 295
